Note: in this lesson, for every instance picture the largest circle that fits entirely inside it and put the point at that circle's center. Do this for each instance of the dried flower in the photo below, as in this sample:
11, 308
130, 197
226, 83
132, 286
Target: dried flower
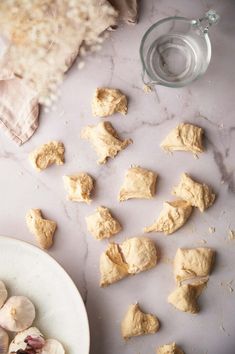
45, 37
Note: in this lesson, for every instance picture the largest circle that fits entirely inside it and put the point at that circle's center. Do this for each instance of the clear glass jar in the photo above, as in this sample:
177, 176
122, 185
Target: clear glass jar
176, 51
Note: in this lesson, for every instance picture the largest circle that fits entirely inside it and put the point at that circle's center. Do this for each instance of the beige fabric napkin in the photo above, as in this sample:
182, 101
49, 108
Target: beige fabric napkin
19, 109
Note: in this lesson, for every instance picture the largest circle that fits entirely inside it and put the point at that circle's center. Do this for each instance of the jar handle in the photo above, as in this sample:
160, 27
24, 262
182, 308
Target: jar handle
204, 23
146, 80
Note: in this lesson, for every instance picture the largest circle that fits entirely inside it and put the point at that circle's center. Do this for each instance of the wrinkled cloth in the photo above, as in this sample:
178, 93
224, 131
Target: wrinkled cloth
128, 10
19, 109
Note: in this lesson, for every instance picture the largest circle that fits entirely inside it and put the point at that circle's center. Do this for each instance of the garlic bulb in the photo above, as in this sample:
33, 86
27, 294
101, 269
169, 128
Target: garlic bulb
3, 293
17, 314
52, 346
30, 339
4, 341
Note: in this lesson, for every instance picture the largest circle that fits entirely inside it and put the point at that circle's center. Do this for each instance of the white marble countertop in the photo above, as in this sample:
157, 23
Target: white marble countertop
209, 103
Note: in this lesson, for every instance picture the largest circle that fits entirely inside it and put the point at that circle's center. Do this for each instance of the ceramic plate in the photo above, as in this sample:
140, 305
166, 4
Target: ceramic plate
61, 314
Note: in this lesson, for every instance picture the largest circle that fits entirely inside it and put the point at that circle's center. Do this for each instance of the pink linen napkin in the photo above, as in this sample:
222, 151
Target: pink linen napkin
19, 109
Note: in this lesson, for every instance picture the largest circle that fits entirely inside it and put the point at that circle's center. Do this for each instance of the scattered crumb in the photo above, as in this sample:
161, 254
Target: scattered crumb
147, 88
228, 285
231, 235
221, 125
222, 181
196, 156
167, 260
211, 229
61, 113
202, 242
223, 330
81, 65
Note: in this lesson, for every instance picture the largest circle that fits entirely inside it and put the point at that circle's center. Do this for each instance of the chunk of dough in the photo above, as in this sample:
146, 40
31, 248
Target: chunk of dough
112, 265
192, 262
79, 187
173, 216
102, 224
197, 194
138, 183
169, 349
42, 229
137, 323
139, 253
107, 101
105, 140
47, 154
184, 298
185, 137
134, 255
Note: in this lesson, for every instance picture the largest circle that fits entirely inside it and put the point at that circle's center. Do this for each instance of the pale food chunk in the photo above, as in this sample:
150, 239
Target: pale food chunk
102, 224
107, 101
137, 323
169, 349
139, 253
173, 216
79, 187
138, 183
133, 256
185, 137
105, 140
184, 298
47, 154
42, 229
192, 262
197, 194
112, 265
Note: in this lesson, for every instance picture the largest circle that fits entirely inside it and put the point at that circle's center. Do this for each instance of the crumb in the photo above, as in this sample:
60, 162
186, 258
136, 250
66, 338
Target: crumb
202, 242
211, 229
222, 181
227, 285
61, 114
147, 88
223, 330
231, 235
81, 65
167, 260
196, 156
221, 126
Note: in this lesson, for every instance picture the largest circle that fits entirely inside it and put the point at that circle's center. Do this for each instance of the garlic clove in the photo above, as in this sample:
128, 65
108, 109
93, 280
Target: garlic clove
17, 314
22, 339
3, 293
52, 346
4, 341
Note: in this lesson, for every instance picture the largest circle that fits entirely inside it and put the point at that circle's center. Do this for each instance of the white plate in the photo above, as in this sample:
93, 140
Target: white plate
61, 314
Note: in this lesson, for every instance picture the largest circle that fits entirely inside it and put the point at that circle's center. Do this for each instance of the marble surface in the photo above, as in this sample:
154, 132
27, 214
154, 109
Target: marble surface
209, 103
